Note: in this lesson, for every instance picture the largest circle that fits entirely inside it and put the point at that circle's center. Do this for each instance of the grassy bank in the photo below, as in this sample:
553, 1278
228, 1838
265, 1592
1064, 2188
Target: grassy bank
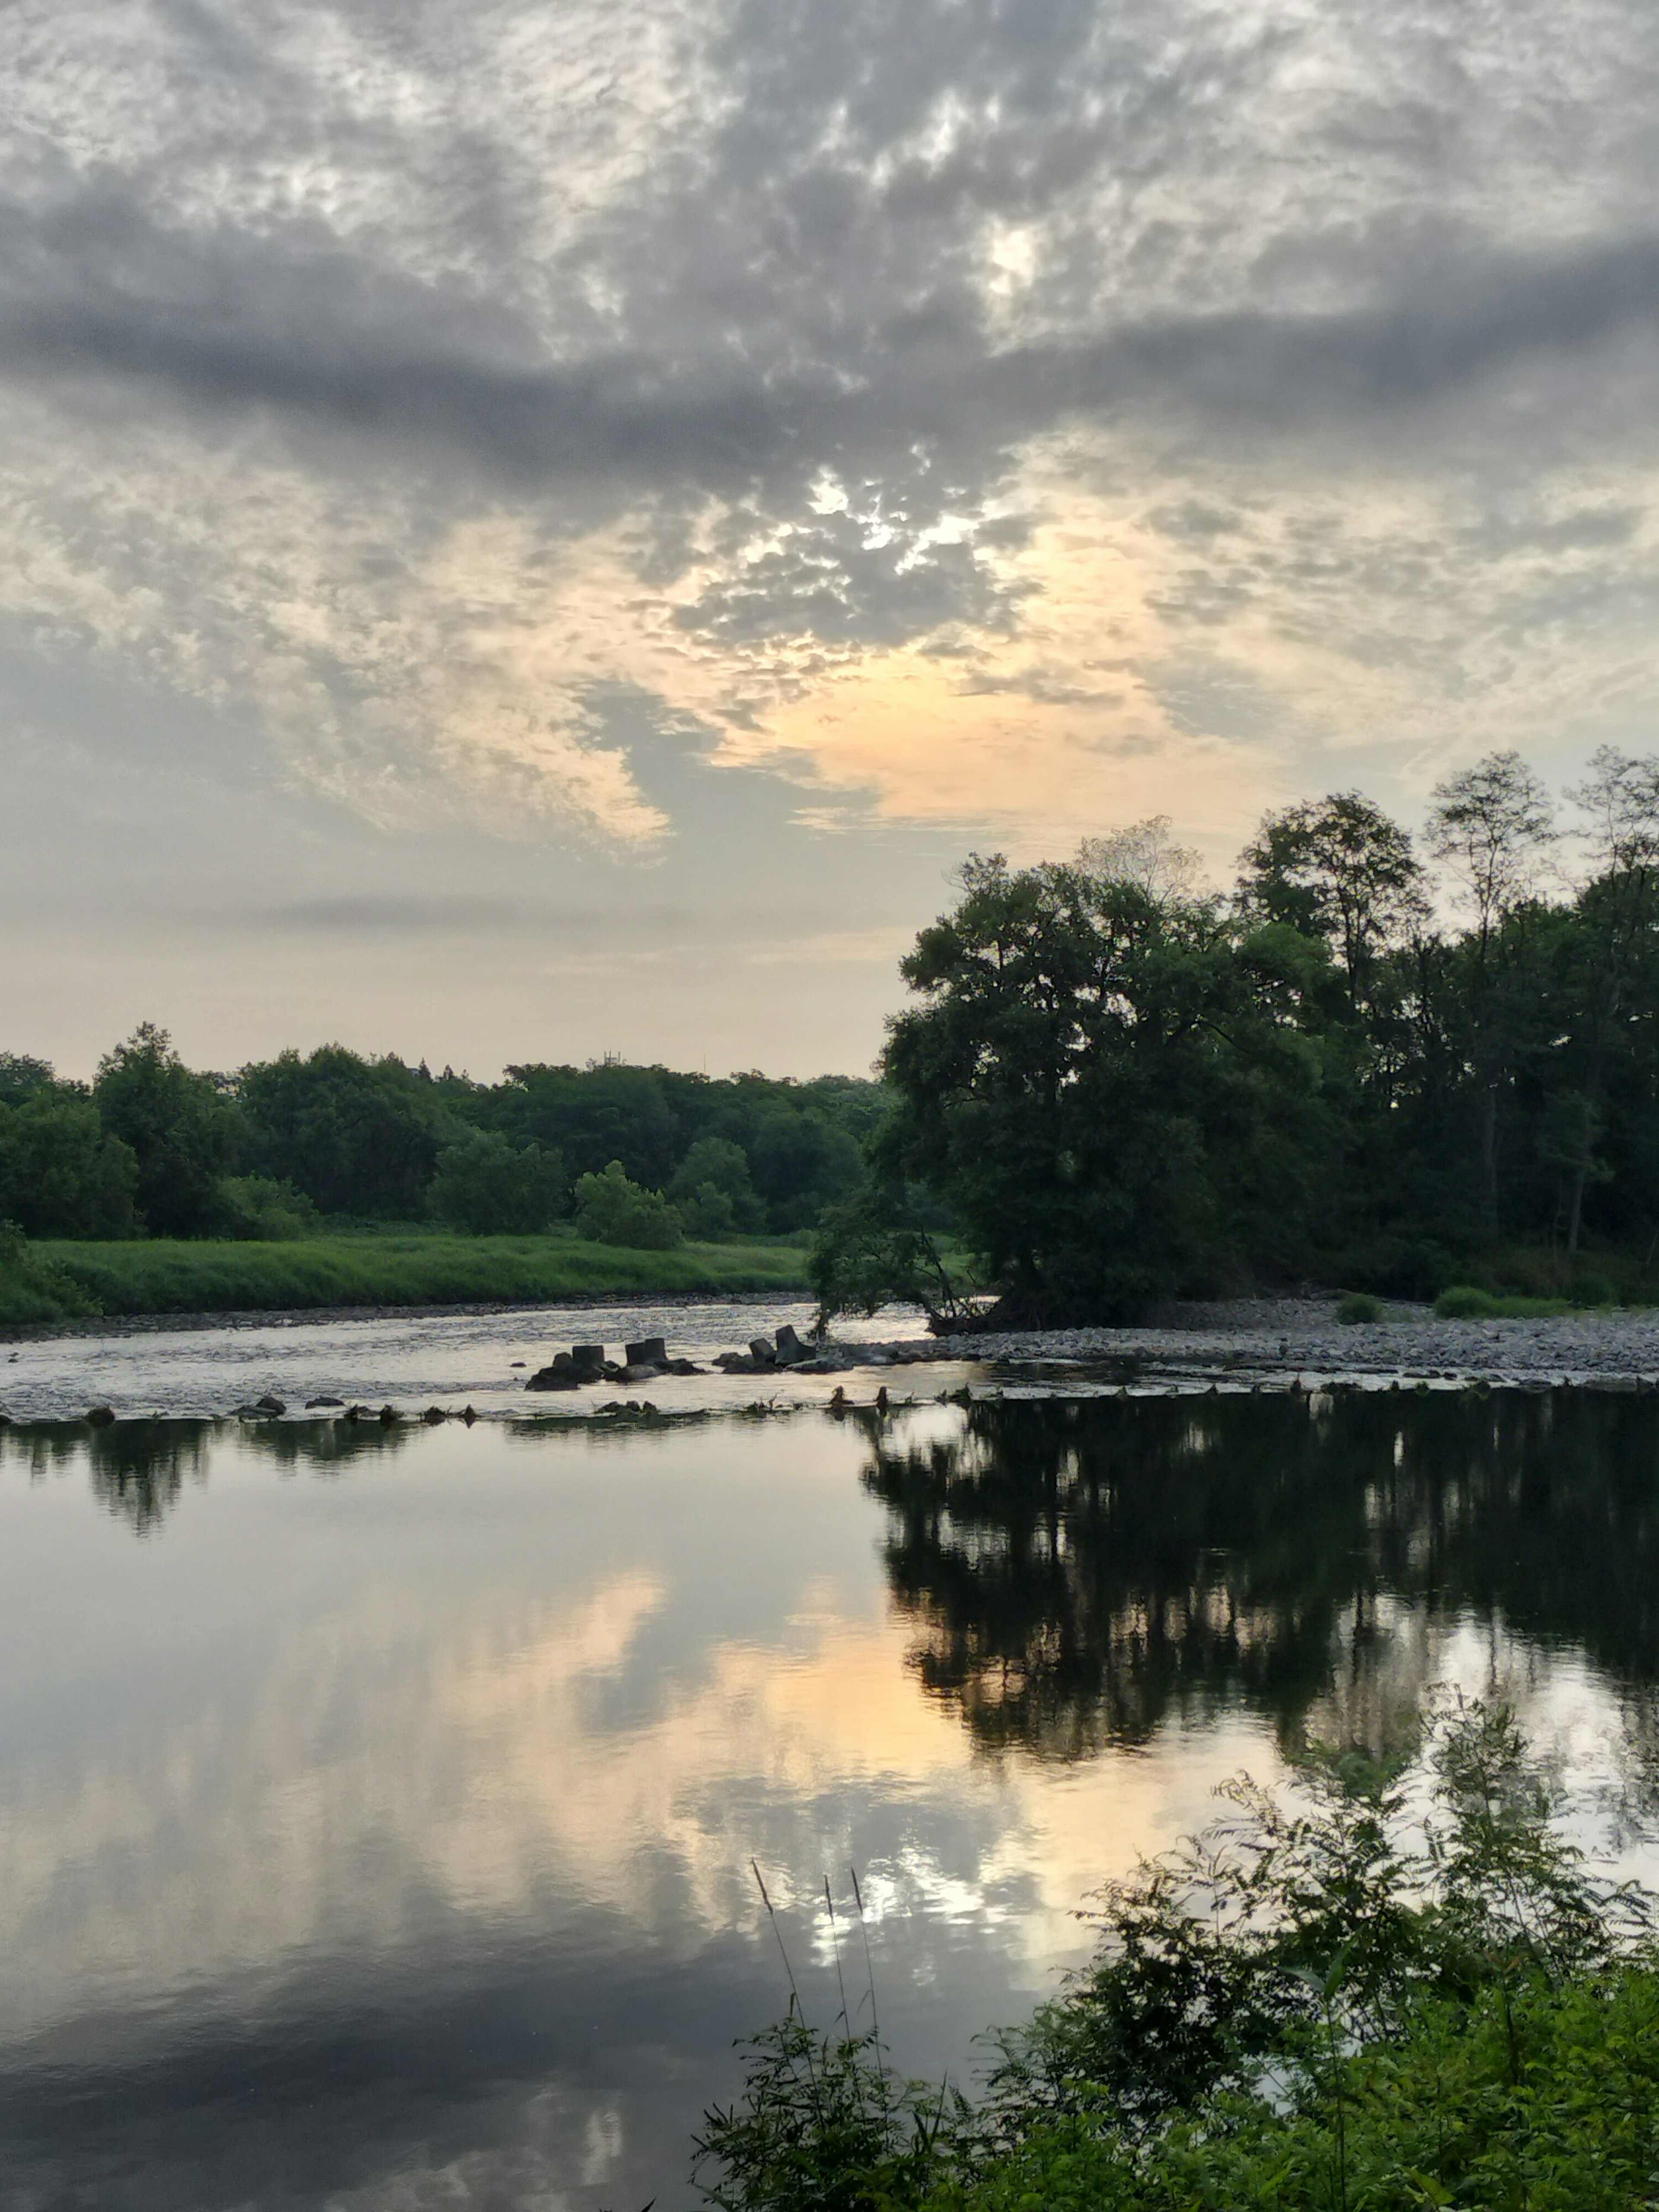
413, 1268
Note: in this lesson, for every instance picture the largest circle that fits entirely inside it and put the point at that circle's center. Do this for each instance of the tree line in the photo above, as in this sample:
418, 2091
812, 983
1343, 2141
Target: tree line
1376, 1059
637, 1154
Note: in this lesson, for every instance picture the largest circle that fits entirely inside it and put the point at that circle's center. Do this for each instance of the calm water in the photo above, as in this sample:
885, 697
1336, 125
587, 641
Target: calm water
376, 1807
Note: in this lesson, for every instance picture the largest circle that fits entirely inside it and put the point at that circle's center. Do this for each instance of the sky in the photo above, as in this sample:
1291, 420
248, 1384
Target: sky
529, 532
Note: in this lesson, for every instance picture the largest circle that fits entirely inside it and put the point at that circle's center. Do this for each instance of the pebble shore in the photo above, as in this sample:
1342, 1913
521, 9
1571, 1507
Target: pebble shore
1303, 1336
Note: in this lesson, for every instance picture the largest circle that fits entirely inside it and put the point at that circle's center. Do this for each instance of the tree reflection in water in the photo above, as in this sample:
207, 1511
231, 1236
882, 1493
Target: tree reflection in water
138, 1468
1077, 1571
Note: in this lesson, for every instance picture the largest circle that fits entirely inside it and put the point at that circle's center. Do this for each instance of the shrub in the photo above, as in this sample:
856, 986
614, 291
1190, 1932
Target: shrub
613, 1210
33, 1288
1464, 1301
259, 1209
1349, 2002
1590, 1288
1359, 1306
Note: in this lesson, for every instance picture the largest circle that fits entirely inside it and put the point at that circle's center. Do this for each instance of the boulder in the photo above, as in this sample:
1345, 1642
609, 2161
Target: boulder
683, 1367
269, 1404
648, 1351
762, 1352
642, 1370
433, 1415
556, 1377
738, 1362
311, 1404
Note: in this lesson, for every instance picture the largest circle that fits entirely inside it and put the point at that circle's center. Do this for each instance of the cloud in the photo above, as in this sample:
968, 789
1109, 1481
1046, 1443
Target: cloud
404, 375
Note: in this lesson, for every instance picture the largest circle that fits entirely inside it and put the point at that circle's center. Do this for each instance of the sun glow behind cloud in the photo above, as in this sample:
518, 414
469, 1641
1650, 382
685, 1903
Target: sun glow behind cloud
1004, 422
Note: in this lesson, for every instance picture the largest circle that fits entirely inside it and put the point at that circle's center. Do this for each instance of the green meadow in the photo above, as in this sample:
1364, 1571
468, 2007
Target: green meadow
390, 1267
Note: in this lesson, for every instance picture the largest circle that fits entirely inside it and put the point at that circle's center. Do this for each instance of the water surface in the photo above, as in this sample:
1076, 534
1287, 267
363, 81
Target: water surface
376, 1806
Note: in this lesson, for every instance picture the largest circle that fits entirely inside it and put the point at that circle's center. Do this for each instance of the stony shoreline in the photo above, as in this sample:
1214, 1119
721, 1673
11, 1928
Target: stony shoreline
1303, 1336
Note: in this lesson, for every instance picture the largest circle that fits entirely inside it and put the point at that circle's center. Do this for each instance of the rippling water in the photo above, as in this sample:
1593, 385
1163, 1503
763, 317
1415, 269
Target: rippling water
376, 1806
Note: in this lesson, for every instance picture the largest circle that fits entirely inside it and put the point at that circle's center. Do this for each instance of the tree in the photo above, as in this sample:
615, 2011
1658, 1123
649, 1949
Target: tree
1491, 826
22, 1077
1100, 1089
1146, 856
358, 1136
712, 1192
487, 1187
183, 1129
60, 1174
1619, 799
613, 1210
799, 1164
1340, 869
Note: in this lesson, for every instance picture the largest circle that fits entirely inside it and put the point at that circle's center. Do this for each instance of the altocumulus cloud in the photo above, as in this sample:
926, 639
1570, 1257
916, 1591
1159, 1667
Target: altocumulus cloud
832, 372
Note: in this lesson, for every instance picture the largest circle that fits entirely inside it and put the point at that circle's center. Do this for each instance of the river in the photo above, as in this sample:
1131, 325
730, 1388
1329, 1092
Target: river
378, 1804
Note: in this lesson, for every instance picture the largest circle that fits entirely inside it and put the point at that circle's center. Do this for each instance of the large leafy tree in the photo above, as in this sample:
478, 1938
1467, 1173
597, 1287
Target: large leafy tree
1115, 1103
1339, 869
182, 1127
61, 1173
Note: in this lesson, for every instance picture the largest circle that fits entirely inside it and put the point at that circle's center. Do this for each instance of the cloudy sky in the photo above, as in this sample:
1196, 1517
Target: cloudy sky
537, 530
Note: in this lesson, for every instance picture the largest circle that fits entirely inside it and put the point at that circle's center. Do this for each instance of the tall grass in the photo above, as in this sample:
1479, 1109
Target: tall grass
414, 1268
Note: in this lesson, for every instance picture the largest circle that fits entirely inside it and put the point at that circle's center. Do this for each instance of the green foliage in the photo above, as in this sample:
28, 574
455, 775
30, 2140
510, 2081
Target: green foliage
1334, 2005
182, 1127
358, 1136
23, 1077
1465, 1302
823, 2127
487, 1187
401, 1268
259, 1209
60, 1174
800, 1162
867, 1255
613, 1210
801, 1142
1359, 1306
1100, 1084
712, 1192
33, 1288
1547, 2101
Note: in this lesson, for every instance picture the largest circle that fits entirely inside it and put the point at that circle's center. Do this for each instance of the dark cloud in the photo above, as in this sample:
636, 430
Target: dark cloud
892, 244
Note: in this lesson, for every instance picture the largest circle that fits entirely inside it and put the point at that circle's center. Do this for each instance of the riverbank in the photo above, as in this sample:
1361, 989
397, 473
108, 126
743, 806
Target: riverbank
1290, 1337
394, 1272
483, 1357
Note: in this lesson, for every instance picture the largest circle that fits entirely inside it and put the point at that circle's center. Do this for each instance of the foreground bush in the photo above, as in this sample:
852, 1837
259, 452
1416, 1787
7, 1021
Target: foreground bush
32, 1288
1338, 2007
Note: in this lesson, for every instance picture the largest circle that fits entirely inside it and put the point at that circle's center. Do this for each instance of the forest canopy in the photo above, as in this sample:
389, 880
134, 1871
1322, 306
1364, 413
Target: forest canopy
1125, 1084
152, 1147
